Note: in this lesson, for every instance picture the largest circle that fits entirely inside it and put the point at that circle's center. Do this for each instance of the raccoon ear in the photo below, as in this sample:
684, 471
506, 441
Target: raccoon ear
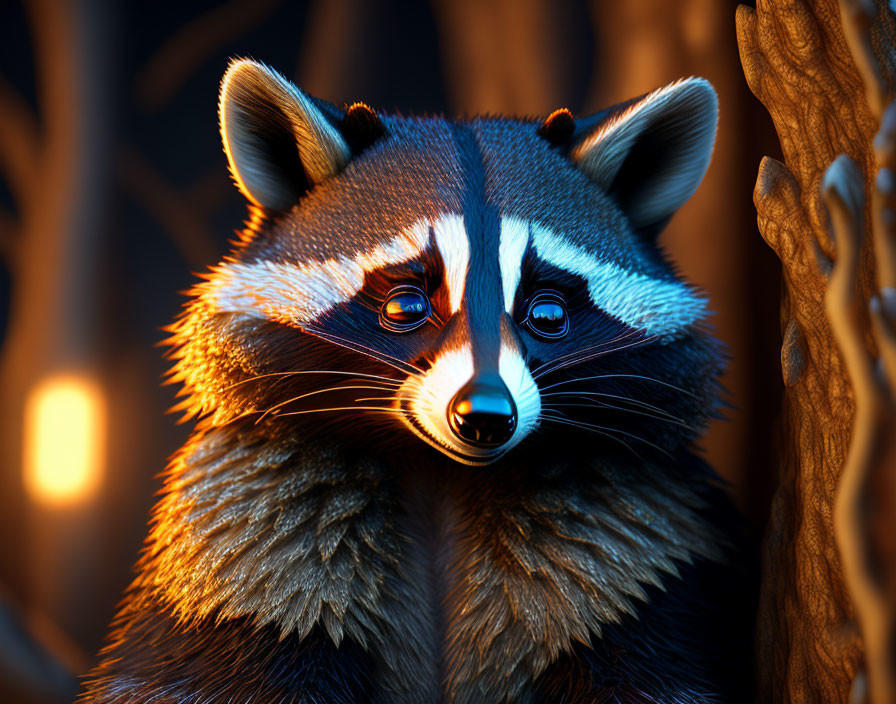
652, 153
279, 142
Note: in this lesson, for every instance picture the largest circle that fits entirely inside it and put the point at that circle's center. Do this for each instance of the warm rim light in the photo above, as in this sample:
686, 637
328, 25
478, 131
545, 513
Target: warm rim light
64, 438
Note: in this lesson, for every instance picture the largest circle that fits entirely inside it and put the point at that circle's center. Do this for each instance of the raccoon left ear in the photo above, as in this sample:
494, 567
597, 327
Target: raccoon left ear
278, 140
652, 153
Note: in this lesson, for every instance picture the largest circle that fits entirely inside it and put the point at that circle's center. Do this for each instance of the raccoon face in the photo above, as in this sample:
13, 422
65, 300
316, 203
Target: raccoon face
474, 280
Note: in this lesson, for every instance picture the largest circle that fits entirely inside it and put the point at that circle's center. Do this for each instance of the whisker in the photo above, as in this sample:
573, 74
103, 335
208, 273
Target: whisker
609, 406
580, 356
313, 393
392, 411
620, 376
616, 430
565, 421
594, 355
384, 379
365, 350
634, 401
599, 345
573, 353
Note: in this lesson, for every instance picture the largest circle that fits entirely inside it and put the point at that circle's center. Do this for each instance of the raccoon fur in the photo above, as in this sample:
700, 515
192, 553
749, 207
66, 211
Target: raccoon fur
447, 390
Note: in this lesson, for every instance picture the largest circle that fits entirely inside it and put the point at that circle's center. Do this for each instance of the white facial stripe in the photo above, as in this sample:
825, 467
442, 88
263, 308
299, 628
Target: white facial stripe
515, 374
514, 240
299, 293
284, 292
454, 247
660, 308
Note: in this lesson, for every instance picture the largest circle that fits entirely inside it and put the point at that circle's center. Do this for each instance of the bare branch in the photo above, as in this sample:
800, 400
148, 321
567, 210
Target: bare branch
189, 232
8, 237
858, 16
30, 669
19, 142
865, 507
502, 56
210, 190
843, 191
175, 62
883, 199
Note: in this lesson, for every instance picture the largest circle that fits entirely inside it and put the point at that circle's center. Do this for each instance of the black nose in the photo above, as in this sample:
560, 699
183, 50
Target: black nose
483, 413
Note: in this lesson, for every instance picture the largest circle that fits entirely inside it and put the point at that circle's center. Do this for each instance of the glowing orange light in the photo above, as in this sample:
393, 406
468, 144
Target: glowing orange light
64, 437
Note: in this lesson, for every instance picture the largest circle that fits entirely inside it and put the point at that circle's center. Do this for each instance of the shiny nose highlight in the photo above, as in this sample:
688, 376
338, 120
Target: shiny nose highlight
482, 413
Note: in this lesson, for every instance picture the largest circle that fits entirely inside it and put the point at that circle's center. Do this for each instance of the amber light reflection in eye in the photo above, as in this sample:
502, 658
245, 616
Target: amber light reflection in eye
406, 309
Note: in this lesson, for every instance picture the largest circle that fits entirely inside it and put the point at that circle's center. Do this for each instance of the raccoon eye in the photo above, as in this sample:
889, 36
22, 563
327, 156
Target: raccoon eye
406, 308
546, 315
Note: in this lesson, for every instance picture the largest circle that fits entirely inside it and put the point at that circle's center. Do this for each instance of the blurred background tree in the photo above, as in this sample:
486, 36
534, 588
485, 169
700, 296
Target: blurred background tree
114, 188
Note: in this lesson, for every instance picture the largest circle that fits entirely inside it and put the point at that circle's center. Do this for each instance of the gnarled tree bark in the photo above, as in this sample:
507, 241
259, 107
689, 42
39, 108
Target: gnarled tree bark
798, 64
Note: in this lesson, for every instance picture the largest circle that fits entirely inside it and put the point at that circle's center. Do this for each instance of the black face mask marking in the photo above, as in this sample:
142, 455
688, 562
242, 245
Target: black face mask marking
492, 289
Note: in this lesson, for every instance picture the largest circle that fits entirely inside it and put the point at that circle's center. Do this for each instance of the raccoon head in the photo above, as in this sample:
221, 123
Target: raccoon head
475, 281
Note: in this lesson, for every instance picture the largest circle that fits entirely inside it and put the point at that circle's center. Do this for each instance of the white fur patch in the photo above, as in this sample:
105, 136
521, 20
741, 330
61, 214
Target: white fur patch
454, 247
514, 240
427, 398
659, 308
299, 293
515, 374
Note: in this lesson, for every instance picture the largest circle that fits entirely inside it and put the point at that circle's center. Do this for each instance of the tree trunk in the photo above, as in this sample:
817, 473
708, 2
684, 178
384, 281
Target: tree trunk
798, 64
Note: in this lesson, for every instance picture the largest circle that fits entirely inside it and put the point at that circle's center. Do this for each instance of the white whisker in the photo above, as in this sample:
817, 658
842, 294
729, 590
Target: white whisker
384, 379
314, 393
392, 411
390, 360
585, 425
620, 376
609, 406
600, 345
594, 355
626, 399
565, 421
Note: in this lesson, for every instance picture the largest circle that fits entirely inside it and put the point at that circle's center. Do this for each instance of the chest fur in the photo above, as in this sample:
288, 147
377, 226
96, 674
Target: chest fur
462, 588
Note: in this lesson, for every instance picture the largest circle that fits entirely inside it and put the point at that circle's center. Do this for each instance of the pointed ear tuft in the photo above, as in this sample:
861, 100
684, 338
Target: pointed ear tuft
278, 141
361, 127
652, 154
558, 127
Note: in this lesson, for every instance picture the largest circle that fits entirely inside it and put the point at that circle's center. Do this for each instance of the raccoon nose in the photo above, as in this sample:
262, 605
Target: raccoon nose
483, 413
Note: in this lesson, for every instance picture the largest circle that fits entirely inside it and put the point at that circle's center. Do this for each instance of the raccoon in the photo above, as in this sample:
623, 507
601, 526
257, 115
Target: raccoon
446, 390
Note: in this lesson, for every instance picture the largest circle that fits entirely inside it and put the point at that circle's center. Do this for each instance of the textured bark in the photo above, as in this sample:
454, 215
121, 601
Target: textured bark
798, 64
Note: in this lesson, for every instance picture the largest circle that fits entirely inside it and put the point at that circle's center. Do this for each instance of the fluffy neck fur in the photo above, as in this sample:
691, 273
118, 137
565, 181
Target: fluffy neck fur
461, 583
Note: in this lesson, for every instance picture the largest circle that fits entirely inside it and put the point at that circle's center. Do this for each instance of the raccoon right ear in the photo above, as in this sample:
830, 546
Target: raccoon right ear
651, 153
278, 141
